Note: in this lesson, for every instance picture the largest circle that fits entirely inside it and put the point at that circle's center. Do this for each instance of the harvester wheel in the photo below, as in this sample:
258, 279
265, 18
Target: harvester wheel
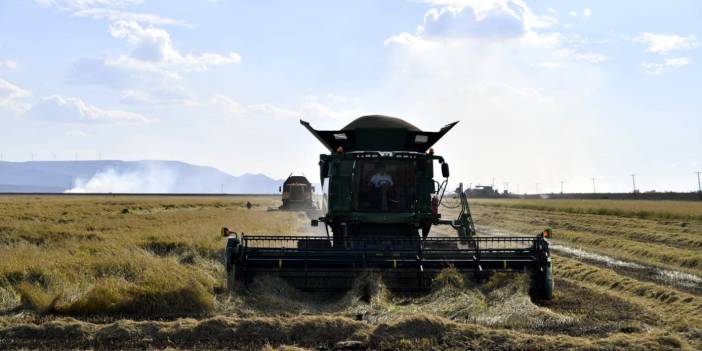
230, 280
542, 283
229, 259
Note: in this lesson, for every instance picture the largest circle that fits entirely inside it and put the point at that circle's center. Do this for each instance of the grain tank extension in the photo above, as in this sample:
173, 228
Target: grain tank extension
381, 201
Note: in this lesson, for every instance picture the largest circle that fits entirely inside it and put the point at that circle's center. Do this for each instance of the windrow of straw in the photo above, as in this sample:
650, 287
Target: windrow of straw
411, 333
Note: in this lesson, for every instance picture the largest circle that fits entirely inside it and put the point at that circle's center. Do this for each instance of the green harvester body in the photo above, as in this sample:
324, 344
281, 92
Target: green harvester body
380, 203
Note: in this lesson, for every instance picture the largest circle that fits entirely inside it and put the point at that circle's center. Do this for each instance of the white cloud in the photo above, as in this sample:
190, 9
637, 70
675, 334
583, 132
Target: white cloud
120, 72
496, 19
484, 24
114, 15
657, 68
233, 108
12, 97
108, 9
154, 45
56, 108
408, 40
152, 72
316, 108
9, 90
87, 3
164, 95
8, 64
585, 13
664, 43
312, 108
505, 90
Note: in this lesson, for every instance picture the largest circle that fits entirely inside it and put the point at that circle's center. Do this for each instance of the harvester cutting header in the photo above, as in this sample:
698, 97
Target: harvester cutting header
381, 204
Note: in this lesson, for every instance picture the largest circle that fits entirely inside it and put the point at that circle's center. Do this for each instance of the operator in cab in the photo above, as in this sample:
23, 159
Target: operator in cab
379, 183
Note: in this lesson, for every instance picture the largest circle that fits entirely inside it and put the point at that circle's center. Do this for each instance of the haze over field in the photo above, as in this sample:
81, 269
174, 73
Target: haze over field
546, 91
128, 177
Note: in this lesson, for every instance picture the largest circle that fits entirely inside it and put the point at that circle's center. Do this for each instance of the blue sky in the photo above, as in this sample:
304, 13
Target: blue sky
545, 90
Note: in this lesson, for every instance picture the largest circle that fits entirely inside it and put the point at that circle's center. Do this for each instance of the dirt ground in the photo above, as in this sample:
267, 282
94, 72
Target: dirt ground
147, 273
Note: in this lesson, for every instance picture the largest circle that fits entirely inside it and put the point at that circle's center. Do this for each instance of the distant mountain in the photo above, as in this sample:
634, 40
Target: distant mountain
128, 177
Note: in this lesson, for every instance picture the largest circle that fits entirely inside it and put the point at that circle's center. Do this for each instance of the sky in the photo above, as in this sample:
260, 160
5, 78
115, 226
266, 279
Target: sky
545, 91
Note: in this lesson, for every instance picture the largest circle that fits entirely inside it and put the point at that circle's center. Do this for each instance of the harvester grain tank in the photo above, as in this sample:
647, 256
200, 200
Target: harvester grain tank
381, 202
296, 193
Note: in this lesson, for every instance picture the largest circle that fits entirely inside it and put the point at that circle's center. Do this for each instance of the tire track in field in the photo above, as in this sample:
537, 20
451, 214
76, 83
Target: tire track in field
668, 277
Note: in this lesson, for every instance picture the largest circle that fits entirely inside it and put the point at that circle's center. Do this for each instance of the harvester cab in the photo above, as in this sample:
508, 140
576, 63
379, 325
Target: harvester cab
381, 202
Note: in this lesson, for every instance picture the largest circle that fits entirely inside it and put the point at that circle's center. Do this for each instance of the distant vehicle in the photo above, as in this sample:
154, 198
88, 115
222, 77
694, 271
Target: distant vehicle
297, 194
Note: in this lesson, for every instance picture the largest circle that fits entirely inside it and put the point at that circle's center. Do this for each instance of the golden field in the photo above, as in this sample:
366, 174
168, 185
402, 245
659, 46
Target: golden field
147, 272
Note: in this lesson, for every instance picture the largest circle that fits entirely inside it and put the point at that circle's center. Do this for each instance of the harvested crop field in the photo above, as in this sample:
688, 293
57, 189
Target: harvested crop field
147, 272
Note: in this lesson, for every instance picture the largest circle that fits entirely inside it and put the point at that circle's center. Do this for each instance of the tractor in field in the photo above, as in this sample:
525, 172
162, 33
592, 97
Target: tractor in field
297, 194
380, 204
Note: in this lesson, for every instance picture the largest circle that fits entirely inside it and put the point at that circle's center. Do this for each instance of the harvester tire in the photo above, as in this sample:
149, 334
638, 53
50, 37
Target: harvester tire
231, 280
229, 252
547, 288
542, 283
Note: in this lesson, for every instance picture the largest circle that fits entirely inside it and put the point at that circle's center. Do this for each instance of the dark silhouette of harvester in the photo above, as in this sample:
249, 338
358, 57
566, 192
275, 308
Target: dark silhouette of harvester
379, 206
297, 194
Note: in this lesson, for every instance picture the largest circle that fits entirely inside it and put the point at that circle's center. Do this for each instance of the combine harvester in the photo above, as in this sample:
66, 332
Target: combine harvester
381, 204
297, 194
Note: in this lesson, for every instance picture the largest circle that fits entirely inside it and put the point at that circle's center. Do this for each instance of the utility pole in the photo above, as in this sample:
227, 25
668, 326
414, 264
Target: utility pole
493, 183
594, 186
505, 185
699, 186
633, 182
222, 188
562, 187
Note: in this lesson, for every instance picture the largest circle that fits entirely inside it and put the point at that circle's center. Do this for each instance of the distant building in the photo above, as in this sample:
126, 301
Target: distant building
483, 191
